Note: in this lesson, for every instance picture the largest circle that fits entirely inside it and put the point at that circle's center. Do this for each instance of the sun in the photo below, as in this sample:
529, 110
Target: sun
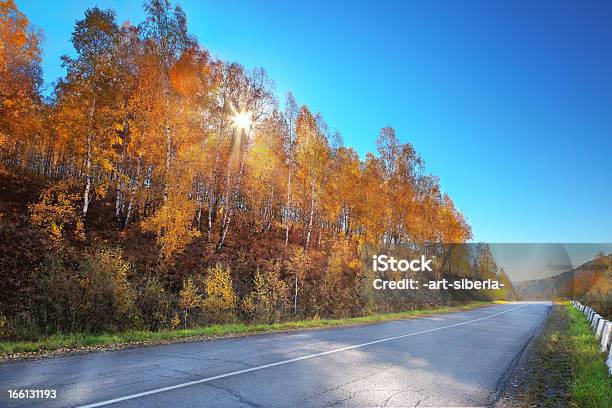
242, 120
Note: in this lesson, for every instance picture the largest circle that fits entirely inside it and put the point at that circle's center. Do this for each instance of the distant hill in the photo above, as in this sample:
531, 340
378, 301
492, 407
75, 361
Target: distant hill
591, 283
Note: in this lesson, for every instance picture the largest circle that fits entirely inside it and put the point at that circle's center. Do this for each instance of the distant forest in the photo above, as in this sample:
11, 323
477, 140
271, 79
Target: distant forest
159, 187
591, 283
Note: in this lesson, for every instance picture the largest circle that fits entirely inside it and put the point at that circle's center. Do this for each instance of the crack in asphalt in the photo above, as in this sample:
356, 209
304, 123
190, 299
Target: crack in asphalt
385, 402
339, 386
200, 359
236, 395
187, 373
340, 401
229, 361
421, 400
426, 397
393, 394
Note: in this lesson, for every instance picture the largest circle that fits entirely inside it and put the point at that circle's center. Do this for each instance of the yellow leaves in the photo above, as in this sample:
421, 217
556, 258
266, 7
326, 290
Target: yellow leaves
221, 298
175, 321
101, 190
55, 231
248, 306
183, 74
343, 259
79, 231
19, 68
105, 282
299, 264
263, 159
172, 225
3, 325
105, 164
116, 140
15, 31
269, 296
57, 207
189, 296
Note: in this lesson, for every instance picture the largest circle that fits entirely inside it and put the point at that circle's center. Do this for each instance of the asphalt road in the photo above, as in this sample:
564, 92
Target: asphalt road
455, 359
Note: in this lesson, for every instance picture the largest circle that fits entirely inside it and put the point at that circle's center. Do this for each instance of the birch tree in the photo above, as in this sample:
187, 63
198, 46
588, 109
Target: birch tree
88, 94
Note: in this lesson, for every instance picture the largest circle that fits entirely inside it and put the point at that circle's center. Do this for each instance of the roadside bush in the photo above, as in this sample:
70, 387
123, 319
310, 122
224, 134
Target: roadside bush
57, 297
50, 302
190, 299
298, 267
108, 301
154, 305
341, 284
221, 300
268, 300
3, 326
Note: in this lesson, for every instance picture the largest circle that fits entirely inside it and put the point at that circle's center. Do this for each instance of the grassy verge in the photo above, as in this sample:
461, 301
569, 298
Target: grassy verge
542, 377
66, 342
563, 368
591, 383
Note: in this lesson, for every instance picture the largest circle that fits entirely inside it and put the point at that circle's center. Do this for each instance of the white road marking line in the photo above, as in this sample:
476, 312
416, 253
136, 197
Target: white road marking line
261, 367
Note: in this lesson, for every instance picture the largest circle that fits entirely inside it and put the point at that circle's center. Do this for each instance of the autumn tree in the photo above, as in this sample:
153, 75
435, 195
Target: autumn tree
165, 36
227, 76
341, 200
20, 81
221, 300
190, 298
312, 153
253, 102
263, 186
289, 139
87, 97
341, 283
298, 266
269, 296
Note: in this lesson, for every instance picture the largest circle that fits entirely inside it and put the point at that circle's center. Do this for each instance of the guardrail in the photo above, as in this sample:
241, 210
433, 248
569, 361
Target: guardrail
602, 329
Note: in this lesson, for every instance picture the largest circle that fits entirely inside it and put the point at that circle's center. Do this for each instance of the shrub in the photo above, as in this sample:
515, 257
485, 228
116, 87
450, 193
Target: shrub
154, 305
190, 298
3, 326
298, 267
269, 297
341, 283
58, 296
221, 300
107, 297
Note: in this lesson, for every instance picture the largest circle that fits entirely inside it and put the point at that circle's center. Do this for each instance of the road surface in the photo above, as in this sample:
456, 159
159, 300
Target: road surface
455, 359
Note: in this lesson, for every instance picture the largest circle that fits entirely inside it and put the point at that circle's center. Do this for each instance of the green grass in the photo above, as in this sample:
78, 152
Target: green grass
83, 340
548, 374
591, 384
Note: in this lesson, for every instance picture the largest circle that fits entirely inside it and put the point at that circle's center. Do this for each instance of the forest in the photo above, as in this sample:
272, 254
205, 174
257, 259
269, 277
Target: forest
159, 187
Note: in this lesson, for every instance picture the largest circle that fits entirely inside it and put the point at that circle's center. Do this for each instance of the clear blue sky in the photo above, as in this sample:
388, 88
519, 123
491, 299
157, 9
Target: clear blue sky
508, 102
